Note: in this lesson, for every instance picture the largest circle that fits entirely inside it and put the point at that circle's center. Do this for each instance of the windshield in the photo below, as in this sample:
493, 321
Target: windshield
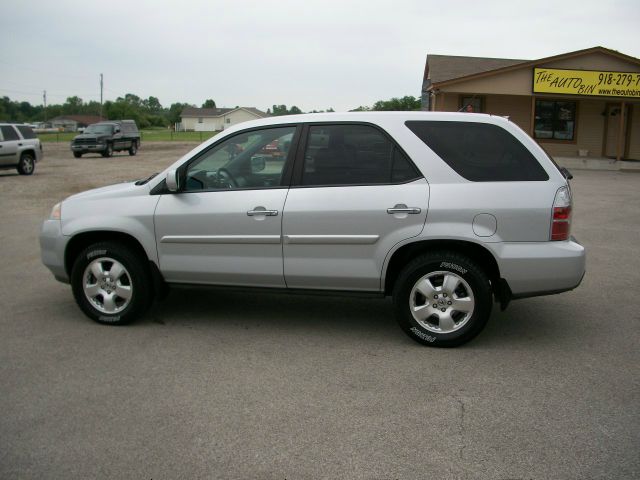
99, 129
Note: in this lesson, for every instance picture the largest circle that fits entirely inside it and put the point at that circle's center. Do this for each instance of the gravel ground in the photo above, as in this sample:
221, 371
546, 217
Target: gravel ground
235, 385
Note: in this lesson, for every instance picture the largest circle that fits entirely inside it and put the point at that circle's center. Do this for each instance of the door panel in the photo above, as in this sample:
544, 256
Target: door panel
209, 237
338, 237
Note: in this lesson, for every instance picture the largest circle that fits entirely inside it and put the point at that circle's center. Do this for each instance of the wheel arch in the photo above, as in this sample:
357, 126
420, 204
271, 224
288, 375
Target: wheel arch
474, 251
82, 240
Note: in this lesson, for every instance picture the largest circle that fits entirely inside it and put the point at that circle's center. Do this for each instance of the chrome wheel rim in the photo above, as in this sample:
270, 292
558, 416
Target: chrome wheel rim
27, 164
107, 285
441, 302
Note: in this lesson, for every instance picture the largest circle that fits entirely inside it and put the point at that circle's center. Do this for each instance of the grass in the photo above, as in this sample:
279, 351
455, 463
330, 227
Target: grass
146, 136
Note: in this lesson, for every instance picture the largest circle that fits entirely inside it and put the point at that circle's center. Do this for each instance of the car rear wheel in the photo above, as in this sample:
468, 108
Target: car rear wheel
27, 164
133, 149
77, 154
442, 299
111, 284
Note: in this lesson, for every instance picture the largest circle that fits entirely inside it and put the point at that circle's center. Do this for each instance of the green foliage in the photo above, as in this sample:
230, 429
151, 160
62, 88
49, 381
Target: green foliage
279, 110
405, 103
209, 103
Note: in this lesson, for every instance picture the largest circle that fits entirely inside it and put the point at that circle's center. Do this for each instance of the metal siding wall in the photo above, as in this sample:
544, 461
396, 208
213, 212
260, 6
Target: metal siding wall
517, 108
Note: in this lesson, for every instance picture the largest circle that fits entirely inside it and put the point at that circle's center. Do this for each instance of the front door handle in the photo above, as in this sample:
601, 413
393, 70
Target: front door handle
402, 208
262, 211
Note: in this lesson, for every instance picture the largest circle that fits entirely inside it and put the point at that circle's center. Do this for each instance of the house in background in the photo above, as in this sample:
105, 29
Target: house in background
216, 119
71, 123
583, 103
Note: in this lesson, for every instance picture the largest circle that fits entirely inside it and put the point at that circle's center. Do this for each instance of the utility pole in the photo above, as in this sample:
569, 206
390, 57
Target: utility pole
44, 98
100, 96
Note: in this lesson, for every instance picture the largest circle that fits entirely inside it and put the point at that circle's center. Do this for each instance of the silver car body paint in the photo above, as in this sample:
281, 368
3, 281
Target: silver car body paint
336, 238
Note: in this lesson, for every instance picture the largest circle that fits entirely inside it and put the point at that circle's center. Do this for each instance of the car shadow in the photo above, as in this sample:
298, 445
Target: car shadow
526, 322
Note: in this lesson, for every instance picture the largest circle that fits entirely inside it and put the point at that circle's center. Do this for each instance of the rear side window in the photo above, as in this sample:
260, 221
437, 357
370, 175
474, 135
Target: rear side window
480, 152
8, 133
26, 131
353, 155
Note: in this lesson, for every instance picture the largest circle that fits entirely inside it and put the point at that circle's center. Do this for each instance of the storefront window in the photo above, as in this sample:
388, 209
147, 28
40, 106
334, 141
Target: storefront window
475, 102
555, 120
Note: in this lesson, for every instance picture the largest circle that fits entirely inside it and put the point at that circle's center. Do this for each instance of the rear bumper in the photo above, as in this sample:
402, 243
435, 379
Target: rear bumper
541, 268
52, 247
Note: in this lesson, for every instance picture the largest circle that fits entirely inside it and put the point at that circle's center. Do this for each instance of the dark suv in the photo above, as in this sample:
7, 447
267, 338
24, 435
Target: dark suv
107, 137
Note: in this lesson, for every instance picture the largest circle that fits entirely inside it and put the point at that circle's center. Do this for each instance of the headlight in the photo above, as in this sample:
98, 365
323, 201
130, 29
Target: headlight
56, 212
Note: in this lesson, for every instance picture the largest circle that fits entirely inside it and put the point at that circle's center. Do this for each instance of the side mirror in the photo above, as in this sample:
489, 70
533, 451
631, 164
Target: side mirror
258, 164
173, 185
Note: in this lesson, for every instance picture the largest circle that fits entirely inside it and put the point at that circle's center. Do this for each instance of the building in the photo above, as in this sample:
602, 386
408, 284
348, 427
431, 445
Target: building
71, 123
216, 119
583, 103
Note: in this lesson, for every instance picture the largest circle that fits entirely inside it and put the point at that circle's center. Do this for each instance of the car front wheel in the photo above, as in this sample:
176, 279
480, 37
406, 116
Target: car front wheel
27, 164
111, 284
442, 299
108, 151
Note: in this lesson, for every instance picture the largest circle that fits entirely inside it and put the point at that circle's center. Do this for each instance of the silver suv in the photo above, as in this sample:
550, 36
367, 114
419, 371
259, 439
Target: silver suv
20, 148
444, 212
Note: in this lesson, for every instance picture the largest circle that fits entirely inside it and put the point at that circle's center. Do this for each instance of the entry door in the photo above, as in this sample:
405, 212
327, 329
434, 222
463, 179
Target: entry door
357, 195
221, 237
614, 111
225, 225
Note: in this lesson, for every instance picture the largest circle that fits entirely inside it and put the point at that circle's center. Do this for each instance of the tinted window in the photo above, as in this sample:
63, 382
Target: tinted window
353, 155
555, 120
26, 131
479, 152
8, 133
253, 159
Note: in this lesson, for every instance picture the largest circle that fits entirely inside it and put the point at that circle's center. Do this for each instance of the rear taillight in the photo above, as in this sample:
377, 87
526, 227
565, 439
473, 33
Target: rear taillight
561, 215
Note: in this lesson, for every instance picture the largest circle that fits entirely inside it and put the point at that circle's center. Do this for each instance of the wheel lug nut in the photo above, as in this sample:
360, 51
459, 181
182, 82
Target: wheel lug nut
444, 295
435, 305
449, 303
435, 297
443, 309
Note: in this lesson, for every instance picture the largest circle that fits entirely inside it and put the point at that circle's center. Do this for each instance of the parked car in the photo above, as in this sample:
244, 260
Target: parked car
20, 148
106, 138
445, 212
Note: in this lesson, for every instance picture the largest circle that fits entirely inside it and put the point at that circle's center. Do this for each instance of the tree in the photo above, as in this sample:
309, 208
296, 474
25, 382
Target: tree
73, 106
209, 103
405, 103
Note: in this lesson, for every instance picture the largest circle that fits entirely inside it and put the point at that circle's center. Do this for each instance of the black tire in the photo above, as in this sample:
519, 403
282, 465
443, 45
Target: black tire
133, 149
135, 277
472, 288
27, 164
108, 151
77, 154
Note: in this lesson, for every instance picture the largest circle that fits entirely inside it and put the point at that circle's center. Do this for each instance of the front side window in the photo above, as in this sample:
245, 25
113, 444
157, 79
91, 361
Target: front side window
555, 120
479, 152
251, 160
353, 155
8, 133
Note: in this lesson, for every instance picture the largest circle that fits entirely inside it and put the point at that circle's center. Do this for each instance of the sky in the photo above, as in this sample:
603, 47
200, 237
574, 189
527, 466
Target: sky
257, 53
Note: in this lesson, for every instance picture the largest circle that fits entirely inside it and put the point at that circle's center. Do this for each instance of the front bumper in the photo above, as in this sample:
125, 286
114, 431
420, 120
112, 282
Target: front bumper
541, 268
52, 247
85, 148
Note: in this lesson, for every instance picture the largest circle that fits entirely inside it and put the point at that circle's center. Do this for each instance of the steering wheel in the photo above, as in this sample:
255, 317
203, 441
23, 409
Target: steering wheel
224, 176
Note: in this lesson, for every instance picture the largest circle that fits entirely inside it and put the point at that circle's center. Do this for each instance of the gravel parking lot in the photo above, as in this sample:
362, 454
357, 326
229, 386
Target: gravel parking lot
232, 385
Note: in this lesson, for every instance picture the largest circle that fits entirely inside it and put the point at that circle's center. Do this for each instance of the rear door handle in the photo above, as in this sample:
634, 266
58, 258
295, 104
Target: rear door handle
402, 208
262, 211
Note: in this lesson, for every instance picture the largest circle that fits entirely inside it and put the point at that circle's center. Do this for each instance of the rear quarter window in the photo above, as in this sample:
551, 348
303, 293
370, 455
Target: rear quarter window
26, 132
479, 152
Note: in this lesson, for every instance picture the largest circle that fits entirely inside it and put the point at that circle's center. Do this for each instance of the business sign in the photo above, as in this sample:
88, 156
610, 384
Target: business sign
586, 82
